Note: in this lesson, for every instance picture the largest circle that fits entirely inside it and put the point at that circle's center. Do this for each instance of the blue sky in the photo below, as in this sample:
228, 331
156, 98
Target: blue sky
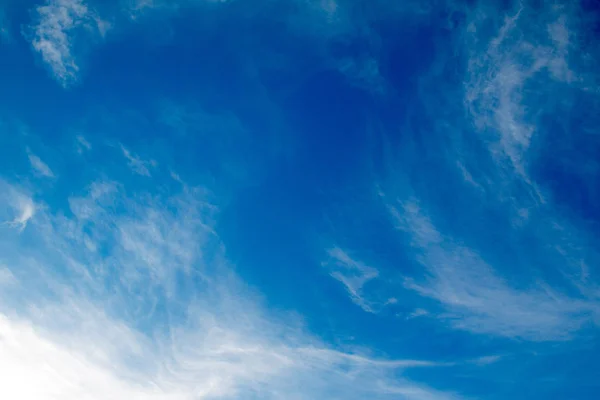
301, 199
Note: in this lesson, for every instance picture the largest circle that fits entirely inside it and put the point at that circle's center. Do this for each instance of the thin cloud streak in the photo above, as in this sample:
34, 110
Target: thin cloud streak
476, 297
82, 144
40, 167
354, 275
136, 164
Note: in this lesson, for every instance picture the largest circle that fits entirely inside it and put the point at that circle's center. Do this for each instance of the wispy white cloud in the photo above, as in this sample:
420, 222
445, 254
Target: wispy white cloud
82, 144
502, 68
19, 207
353, 274
516, 71
40, 167
220, 364
476, 298
419, 312
54, 34
35, 367
486, 360
137, 165
133, 297
135, 9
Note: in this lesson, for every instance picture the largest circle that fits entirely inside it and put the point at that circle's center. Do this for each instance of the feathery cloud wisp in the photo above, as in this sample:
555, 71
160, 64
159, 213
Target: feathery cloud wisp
136, 164
82, 144
40, 167
158, 313
501, 68
20, 206
353, 274
54, 34
476, 297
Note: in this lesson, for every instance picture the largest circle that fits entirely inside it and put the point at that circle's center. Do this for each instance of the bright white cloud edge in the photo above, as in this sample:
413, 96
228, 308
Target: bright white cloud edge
71, 335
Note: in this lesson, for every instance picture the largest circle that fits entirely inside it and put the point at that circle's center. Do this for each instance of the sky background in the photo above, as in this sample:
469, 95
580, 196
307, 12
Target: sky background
300, 199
